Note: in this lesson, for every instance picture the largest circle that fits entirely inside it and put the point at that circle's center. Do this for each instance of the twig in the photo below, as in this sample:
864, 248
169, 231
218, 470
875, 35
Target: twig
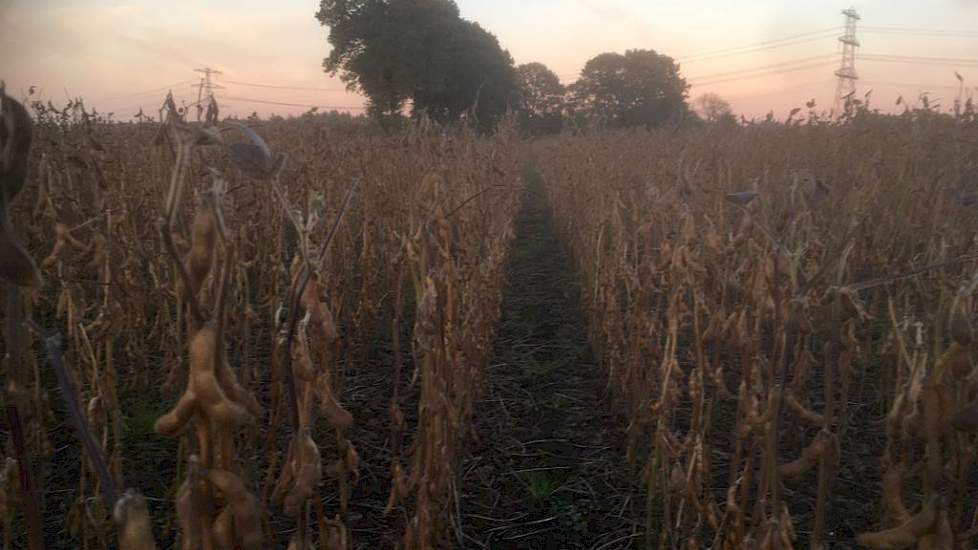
885, 280
471, 198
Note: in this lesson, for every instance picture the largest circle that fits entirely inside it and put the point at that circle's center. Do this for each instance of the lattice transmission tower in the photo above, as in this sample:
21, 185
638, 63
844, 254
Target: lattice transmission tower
205, 89
847, 68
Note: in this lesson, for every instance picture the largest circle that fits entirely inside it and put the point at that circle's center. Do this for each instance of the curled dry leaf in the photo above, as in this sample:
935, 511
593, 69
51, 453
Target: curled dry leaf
254, 158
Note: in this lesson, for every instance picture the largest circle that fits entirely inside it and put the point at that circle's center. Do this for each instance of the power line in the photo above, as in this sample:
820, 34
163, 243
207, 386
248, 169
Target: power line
781, 64
285, 104
773, 43
764, 73
921, 32
274, 87
887, 58
153, 91
758, 49
791, 40
802, 85
917, 85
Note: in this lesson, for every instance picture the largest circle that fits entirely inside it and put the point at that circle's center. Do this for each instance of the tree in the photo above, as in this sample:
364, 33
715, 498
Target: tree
543, 99
714, 109
640, 88
422, 52
479, 76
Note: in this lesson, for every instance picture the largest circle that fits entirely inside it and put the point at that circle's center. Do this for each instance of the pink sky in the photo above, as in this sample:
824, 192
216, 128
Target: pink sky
123, 54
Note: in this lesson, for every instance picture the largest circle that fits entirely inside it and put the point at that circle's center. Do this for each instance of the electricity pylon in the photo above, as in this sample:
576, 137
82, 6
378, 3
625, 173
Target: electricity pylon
847, 68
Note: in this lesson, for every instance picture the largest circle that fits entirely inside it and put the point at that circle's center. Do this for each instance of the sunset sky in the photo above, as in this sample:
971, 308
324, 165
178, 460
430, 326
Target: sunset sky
123, 54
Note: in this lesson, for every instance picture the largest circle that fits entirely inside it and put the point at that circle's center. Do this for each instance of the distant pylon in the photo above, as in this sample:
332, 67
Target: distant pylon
847, 69
206, 87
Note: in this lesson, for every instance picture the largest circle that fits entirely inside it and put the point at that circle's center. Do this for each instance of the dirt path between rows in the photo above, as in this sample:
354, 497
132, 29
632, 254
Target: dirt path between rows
546, 470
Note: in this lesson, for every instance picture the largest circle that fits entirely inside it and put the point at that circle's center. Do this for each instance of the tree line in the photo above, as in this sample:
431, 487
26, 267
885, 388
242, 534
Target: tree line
422, 57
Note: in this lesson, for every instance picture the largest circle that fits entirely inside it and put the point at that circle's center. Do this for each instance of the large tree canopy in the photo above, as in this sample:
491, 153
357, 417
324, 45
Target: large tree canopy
640, 88
422, 51
543, 99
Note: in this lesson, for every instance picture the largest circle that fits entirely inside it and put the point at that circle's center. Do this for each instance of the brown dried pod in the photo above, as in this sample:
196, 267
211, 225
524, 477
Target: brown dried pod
222, 530
959, 324
135, 528
295, 543
301, 357
301, 474
202, 246
229, 383
847, 301
188, 518
822, 444
957, 360
320, 317
966, 420
397, 416
287, 476
336, 536
337, 416
903, 536
943, 537
892, 497
809, 416
308, 474
351, 462
731, 501
243, 506
399, 488
174, 422
204, 393
60, 234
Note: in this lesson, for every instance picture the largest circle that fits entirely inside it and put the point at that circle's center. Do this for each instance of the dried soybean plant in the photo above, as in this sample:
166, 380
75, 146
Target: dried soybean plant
930, 448
128, 509
731, 297
453, 253
304, 362
213, 504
